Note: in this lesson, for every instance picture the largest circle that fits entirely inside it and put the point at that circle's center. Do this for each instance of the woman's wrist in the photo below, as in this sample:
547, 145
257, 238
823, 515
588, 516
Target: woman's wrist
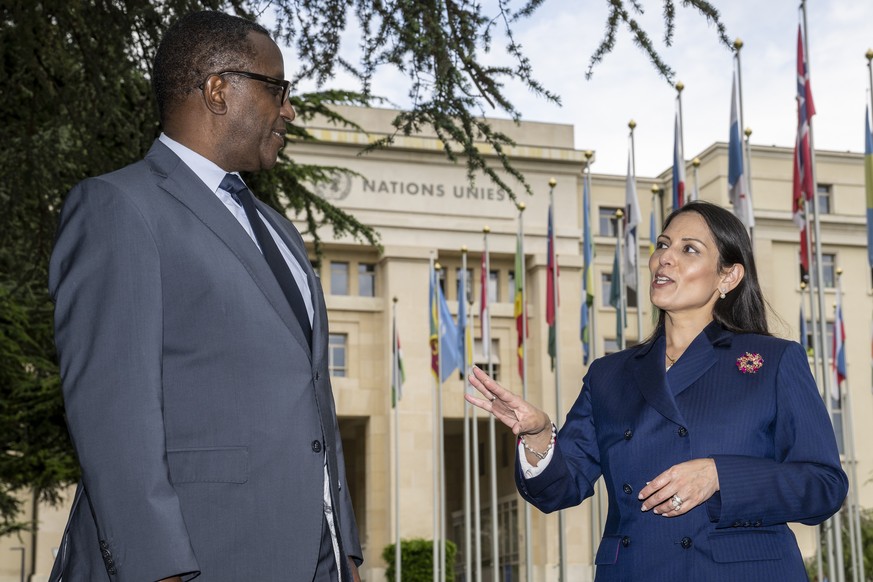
540, 443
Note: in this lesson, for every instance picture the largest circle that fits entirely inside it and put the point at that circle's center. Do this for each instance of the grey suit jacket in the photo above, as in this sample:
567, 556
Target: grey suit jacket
200, 417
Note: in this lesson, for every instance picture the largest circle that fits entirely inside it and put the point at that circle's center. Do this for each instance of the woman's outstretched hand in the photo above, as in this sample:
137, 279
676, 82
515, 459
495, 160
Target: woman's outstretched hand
520, 416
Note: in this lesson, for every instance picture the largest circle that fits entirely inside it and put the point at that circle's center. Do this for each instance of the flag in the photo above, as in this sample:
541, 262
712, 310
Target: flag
463, 338
587, 273
519, 309
433, 316
739, 192
398, 373
804, 332
803, 187
615, 296
652, 235
551, 283
798, 211
450, 355
631, 221
839, 342
678, 162
868, 176
484, 319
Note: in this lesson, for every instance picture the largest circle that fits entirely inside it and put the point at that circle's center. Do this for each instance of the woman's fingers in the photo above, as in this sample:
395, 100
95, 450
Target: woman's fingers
506, 407
680, 488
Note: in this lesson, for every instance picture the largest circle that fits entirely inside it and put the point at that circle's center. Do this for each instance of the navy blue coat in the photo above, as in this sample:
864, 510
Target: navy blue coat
767, 431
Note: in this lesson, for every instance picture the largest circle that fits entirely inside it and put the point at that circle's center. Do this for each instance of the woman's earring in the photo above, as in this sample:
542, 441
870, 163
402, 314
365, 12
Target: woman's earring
722, 293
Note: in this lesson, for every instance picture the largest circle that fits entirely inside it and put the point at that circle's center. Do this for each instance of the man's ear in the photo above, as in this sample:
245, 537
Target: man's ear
732, 277
214, 92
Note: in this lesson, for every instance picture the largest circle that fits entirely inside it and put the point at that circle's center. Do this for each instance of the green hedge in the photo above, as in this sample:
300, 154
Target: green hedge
417, 560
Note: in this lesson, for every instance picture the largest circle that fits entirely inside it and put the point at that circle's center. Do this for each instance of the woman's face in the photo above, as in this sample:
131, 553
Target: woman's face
684, 268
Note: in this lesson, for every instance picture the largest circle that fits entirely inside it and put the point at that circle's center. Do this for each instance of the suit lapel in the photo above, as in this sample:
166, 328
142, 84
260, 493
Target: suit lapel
177, 179
700, 356
648, 367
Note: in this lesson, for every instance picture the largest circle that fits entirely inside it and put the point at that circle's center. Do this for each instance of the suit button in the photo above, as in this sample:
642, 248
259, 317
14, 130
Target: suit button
317, 376
625, 541
685, 543
627, 488
683, 431
316, 446
628, 434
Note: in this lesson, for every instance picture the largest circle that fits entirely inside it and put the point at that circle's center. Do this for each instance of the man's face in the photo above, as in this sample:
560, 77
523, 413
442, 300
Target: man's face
256, 113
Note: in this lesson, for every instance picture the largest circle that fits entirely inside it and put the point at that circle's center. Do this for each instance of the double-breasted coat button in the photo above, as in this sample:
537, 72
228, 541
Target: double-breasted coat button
683, 431
627, 488
628, 434
685, 543
316, 446
625, 541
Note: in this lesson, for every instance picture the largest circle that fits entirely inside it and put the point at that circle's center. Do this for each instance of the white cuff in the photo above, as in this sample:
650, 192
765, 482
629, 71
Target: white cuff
528, 470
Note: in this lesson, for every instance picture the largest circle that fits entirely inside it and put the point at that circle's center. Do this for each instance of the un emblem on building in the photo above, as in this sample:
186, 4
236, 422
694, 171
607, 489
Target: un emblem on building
337, 188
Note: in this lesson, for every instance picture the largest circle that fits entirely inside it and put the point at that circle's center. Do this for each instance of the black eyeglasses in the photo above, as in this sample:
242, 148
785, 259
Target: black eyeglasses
285, 85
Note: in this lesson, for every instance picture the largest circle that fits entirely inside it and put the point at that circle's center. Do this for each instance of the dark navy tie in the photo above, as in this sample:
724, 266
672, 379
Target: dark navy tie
240, 192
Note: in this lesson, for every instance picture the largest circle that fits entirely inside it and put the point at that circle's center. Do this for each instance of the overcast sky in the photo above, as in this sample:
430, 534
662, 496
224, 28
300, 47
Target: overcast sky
560, 38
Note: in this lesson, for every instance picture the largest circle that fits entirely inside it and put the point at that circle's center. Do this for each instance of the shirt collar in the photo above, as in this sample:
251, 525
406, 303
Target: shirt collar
207, 170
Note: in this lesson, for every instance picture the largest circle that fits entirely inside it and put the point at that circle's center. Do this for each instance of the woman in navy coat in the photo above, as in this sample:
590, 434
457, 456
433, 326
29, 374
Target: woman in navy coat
711, 435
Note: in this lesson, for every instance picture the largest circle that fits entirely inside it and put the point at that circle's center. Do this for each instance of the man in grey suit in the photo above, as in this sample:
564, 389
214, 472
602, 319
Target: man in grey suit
192, 338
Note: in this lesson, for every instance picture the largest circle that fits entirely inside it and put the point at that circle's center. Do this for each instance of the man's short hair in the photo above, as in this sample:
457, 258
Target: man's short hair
195, 46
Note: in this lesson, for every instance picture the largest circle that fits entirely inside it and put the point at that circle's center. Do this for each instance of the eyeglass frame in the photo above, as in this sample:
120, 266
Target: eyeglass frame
286, 85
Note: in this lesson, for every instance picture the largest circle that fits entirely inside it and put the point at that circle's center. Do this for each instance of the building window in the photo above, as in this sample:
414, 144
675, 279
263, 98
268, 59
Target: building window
337, 355
829, 340
458, 273
510, 286
608, 224
605, 291
480, 359
825, 198
366, 280
493, 278
828, 268
339, 278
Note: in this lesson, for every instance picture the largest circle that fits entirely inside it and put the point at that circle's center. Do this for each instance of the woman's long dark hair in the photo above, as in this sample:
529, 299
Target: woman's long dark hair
743, 310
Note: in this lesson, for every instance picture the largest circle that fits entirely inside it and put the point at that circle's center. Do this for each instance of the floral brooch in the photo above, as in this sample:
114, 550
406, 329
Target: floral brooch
749, 363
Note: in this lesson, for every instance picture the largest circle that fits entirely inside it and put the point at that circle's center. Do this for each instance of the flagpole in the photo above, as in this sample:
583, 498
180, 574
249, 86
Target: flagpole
804, 288
858, 574
492, 434
680, 86
695, 194
521, 275
441, 437
477, 494
468, 536
596, 515
746, 175
437, 402
592, 319
869, 55
838, 541
636, 250
621, 310
434, 307
747, 172
559, 413
398, 575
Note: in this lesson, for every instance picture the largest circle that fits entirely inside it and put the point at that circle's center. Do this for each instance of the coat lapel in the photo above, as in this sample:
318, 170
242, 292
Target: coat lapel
700, 356
648, 367
182, 183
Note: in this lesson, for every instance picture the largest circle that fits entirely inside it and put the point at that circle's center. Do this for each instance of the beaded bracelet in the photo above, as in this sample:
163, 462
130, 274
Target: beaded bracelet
542, 455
